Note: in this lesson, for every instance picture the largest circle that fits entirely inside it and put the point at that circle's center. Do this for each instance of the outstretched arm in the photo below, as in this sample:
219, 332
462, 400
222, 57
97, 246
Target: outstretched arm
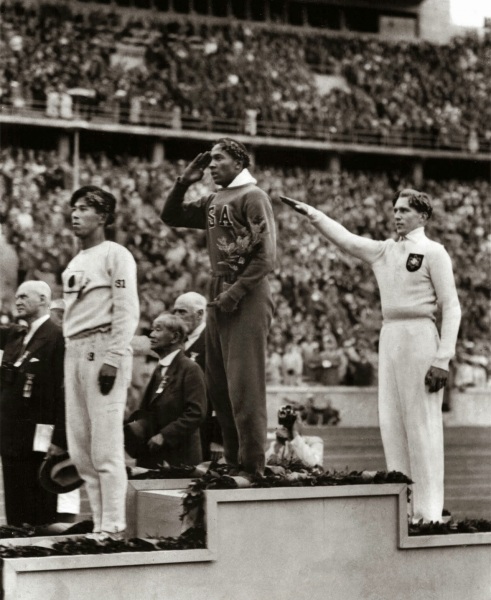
356, 245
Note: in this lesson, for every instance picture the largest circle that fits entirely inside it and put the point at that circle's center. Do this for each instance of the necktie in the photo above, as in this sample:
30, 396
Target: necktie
21, 345
159, 380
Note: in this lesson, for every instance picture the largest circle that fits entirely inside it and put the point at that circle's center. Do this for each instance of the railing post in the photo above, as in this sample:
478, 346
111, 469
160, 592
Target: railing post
76, 159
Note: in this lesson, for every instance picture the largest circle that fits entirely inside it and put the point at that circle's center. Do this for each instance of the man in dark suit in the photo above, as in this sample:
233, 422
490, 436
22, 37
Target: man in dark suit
32, 416
166, 427
191, 307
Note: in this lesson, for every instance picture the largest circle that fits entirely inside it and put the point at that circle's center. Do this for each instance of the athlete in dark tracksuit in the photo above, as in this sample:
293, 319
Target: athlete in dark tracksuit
239, 224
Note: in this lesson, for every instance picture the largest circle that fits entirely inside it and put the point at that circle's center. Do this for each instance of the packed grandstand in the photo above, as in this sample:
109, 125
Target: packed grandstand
238, 78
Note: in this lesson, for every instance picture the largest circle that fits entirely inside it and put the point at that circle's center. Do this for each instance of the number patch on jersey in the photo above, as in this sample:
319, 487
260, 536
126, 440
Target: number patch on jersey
120, 283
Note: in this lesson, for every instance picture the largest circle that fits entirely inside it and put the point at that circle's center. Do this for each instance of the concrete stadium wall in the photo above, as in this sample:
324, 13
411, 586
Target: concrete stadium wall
341, 543
358, 406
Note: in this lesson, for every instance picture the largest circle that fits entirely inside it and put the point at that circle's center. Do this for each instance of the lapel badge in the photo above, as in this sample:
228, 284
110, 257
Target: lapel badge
162, 385
414, 262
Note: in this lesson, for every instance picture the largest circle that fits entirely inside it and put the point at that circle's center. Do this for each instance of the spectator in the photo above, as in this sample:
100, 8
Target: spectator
292, 364
39, 184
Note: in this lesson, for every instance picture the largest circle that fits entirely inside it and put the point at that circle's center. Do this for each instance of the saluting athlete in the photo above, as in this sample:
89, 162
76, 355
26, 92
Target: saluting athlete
414, 275
101, 316
241, 242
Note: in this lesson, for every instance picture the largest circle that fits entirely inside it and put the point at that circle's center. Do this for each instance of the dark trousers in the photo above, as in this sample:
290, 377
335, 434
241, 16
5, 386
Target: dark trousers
236, 374
26, 501
209, 431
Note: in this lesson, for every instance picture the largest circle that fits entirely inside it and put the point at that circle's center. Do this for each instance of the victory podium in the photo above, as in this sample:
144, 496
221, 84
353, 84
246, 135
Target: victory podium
309, 543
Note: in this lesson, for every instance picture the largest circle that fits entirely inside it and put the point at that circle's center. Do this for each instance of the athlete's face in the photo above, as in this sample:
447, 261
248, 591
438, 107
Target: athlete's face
406, 217
224, 168
85, 219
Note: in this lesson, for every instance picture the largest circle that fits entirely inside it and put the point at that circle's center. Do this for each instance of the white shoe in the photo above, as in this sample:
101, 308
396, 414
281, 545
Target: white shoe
102, 536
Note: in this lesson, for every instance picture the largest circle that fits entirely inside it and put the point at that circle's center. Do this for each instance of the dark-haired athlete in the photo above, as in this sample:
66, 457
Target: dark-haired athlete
239, 224
101, 316
414, 275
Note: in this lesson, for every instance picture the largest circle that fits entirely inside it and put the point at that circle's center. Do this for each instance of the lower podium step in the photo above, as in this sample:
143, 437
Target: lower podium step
158, 513
137, 488
338, 543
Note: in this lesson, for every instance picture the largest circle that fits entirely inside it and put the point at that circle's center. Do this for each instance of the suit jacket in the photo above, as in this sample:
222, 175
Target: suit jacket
176, 413
42, 364
197, 351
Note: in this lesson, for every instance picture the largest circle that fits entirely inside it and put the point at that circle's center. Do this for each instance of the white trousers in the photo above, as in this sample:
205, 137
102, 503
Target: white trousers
410, 417
94, 426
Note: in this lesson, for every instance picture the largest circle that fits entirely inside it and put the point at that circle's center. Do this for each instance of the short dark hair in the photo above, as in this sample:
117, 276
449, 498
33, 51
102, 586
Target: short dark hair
175, 324
103, 202
420, 201
235, 149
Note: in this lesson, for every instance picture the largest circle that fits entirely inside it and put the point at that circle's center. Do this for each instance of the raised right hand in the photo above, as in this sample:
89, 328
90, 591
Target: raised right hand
195, 170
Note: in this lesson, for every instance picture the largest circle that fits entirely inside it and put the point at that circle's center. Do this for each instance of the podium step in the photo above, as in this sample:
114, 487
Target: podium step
137, 488
342, 542
158, 513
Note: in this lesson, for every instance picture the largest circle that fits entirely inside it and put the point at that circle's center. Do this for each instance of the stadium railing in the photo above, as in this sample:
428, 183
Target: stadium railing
152, 117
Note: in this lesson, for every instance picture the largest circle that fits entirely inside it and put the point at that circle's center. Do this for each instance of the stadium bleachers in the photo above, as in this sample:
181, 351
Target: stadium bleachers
326, 301
238, 78
193, 70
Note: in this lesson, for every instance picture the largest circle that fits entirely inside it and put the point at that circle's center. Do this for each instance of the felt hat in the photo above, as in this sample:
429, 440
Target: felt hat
59, 475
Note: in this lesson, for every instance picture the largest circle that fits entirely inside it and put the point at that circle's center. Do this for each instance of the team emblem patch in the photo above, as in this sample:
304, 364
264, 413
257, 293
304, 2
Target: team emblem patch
414, 262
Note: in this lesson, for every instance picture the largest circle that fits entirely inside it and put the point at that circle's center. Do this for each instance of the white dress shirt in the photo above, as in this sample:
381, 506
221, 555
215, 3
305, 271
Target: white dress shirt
35, 325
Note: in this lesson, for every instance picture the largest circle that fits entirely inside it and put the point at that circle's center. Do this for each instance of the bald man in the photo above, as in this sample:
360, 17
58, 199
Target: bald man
32, 416
191, 307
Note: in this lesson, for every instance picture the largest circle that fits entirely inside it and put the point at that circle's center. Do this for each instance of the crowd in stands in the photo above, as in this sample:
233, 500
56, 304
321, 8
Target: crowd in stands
263, 79
328, 316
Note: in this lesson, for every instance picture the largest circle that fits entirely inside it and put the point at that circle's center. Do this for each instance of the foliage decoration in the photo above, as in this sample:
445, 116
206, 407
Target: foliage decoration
215, 478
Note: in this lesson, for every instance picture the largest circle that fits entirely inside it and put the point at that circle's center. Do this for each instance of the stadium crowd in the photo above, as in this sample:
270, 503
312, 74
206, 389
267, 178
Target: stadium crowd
327, 305
266, 80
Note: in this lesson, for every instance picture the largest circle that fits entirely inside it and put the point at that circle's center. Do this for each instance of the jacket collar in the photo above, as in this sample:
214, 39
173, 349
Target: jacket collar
38, 337
416, 234
243, 178
169, 359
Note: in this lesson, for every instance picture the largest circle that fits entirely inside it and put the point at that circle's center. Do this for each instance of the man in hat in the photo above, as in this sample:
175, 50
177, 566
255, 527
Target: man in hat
101, 316
415, 276
32, 417
239, 223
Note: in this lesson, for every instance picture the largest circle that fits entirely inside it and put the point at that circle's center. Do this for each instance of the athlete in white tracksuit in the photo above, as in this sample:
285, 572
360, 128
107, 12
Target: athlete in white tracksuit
102, 312
414, 276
